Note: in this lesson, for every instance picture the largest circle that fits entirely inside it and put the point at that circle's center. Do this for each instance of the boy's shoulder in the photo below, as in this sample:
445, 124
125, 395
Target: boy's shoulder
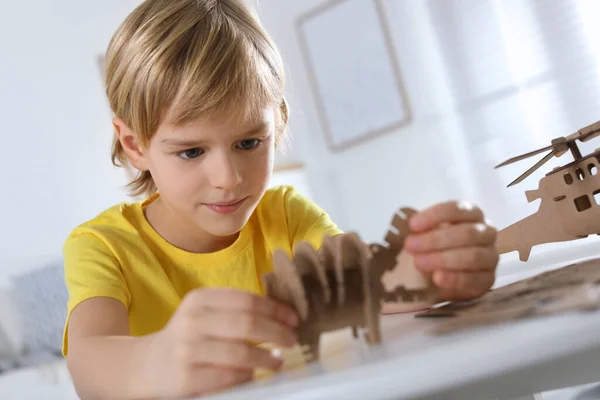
277, 193
284, 203
287, 217
281, 198
121, 218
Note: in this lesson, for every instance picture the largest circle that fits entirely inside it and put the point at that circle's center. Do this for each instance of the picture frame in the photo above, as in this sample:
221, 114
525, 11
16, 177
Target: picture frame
354, 74
100, 62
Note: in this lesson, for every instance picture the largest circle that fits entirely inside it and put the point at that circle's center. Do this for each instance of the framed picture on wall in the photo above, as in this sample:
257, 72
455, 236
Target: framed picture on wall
101, 66
353, 71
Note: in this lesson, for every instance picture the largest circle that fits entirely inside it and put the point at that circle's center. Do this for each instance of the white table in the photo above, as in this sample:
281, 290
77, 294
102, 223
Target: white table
49, 381
498, 362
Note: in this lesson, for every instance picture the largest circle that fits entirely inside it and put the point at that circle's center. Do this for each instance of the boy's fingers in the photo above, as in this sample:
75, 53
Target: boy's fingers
462, 286
461, 259
240, 355
448, 212
238, 301
243, 327
452, 236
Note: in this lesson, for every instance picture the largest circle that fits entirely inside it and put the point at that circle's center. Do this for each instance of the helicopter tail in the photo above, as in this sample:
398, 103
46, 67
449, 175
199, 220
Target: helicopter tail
539, 228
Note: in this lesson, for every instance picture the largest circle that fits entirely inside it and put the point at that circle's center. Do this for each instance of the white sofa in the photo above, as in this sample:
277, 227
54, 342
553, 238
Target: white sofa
24, 375
40, 382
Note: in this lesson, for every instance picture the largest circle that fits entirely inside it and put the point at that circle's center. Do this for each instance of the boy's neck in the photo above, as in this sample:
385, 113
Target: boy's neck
179, 234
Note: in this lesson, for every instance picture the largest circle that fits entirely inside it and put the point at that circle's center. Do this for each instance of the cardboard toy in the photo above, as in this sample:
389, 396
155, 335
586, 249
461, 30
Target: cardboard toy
573, 287
568, 209
341, 286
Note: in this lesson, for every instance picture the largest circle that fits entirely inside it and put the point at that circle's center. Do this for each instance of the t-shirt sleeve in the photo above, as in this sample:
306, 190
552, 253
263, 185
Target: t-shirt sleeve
91, 270
306, 220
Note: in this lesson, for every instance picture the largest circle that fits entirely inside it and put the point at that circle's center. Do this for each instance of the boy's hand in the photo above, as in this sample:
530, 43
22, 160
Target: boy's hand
206, 345
452, 242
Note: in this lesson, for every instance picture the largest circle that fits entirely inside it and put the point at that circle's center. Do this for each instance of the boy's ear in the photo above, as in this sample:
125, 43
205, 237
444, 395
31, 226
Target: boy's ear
130, 145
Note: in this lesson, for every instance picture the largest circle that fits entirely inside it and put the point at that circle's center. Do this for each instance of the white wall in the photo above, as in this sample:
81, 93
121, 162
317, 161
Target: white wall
486, 80
417, 166
55, 167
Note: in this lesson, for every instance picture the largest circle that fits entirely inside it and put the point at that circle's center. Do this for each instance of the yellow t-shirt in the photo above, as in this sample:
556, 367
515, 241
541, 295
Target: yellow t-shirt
119, 255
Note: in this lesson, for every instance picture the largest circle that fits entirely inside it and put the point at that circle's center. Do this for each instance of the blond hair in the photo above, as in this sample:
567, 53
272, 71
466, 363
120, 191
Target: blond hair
194, 58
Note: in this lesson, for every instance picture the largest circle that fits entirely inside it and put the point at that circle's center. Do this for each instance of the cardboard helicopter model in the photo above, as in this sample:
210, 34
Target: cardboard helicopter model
341, 285
568, 210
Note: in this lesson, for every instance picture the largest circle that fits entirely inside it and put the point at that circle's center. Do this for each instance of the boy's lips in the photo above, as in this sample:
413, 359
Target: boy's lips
226, 207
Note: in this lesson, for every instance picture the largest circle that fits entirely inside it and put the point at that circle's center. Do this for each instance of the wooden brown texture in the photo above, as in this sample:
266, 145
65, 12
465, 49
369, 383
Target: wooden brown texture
340, 285
573, 287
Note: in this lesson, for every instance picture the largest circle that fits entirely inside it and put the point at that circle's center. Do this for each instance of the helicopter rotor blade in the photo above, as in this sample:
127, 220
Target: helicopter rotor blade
531, 170
589, 132
524, 156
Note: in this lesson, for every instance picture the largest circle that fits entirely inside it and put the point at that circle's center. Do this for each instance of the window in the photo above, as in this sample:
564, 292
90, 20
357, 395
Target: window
568, 179
583, 203
596, 195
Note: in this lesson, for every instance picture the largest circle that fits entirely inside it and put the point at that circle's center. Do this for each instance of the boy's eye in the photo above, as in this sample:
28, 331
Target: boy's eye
249, 144
190, 153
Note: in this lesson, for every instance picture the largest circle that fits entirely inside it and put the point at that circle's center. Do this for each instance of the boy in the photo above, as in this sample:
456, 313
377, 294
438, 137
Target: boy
165, 293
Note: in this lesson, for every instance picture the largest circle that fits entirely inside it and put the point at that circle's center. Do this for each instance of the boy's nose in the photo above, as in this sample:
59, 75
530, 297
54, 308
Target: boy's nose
225, 173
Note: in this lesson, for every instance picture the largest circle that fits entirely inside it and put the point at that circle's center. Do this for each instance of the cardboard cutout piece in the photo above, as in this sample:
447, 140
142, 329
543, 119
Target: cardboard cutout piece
340, 285
573, 287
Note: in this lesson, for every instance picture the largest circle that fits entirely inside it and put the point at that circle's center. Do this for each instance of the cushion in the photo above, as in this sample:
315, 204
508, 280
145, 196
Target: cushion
11, 330
7, 349
42, 297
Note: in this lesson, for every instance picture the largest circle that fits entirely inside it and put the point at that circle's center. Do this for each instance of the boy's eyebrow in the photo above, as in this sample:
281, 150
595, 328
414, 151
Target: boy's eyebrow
191, 142
257, 129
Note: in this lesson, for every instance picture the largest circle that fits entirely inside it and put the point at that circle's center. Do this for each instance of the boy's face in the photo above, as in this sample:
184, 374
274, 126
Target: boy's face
213, 171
